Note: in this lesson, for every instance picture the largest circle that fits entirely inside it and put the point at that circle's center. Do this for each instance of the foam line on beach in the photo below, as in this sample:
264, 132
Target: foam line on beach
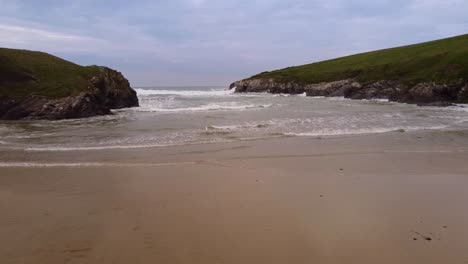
90, 164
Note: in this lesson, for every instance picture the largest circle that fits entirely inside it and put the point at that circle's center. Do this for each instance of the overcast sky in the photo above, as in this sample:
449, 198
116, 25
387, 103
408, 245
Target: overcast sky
208, 42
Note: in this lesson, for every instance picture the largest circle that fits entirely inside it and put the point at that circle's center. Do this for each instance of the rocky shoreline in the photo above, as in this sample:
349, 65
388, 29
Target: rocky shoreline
424, 94
107, 90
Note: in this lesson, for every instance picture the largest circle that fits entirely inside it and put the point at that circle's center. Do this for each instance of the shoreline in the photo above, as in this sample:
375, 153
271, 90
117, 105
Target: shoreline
280, 136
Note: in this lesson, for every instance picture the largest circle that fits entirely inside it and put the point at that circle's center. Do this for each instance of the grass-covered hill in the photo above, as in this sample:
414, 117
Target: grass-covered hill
440, 61
24, 72
36, 85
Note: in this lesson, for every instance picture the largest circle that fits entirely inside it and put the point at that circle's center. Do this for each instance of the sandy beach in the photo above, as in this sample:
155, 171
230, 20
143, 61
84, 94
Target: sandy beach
387, 198
233, 132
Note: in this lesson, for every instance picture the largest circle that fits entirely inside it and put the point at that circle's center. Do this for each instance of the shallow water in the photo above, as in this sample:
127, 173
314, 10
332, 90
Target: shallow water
194, 115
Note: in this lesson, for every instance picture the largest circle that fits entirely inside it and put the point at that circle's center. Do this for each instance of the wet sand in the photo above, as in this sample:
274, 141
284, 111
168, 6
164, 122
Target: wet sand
389, 198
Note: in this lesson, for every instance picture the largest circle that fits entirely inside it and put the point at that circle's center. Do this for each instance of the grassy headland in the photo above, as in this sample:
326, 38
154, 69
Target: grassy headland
24, 72
440, 61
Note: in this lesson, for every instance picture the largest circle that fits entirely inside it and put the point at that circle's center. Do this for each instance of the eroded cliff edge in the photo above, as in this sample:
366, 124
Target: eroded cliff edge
423, 93
107, 90
35, 85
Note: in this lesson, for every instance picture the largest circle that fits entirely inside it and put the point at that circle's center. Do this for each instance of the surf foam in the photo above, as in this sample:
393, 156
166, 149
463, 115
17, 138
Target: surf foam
212, 92
207, 107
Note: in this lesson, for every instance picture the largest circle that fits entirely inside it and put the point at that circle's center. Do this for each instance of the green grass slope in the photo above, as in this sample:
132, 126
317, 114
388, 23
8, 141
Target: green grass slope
440, 61
25, 72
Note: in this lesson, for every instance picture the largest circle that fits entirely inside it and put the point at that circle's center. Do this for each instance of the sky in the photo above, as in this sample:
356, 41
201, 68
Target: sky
216, 42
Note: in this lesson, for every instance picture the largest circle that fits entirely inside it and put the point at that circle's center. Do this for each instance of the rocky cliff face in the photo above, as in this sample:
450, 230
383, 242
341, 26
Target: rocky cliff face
107, 90
421, 93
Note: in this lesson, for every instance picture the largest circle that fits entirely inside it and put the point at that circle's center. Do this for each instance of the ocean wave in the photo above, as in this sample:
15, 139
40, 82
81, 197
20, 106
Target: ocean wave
237, 127
106, 147
117, 147
184, 92
341, 98
347, 132
212, 140
207, 107
30, 136
219, 134
289, 95
263, 124
459, 107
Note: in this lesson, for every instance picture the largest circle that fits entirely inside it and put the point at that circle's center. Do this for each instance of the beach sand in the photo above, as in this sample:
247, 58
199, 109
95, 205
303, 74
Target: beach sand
388, 198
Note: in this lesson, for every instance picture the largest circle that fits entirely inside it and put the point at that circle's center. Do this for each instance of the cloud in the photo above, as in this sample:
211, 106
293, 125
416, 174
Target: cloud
215, 42
15, 33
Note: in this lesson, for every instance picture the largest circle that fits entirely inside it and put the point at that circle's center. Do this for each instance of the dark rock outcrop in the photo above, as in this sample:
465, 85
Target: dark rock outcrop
425, 93
113, 89
266, 85
107, 90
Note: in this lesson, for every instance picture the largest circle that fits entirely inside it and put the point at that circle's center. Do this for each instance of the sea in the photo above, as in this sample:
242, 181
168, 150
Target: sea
170, 116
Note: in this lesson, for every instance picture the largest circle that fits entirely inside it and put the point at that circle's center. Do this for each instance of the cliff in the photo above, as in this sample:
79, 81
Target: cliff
432, 73
423, 93
36, 85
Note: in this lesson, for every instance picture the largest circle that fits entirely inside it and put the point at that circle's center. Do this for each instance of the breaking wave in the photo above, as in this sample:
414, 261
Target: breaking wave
213, 92
350, 132
206, 107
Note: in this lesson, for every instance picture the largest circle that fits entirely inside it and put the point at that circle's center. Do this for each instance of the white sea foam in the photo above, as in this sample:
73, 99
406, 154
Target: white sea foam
341, 98
330, 132
288, 95
265, 124
30, 136
184, 92
460, 107
105, 147
346, 132
237, 127
116, 147
206, 107
88, 164
338, 98
380, 100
